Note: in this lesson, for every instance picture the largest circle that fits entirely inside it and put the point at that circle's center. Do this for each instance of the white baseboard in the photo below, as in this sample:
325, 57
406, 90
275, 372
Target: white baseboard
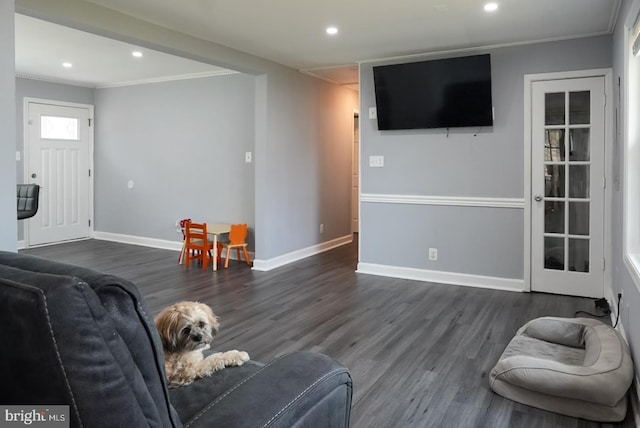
147, 242
479, 281
262, 265
267, 265
138, 240
22, 245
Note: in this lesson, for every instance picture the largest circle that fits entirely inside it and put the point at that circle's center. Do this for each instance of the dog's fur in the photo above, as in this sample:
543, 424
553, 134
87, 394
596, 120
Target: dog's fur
187, 329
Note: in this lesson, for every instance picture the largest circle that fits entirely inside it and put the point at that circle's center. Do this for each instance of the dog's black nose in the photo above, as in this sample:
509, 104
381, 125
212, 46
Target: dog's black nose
197, 338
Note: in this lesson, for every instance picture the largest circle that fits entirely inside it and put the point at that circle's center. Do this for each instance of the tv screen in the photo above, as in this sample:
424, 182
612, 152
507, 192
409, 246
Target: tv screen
445, 93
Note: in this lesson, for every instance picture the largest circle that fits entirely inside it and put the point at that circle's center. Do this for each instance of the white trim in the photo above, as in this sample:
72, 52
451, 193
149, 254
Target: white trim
26, 146
126, 83
630, 132
452, 278
632, 262
139, 240
578, 74
607, 73
54, 80
528, 80
609, 142
310, 72
614, 16
200, 75
355, 168
260, 265
486, 47
22, 245
267, 265
161, 244
360, 110
457, 201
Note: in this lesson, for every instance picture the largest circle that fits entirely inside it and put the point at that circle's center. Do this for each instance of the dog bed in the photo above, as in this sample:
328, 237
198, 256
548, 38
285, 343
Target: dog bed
574, 366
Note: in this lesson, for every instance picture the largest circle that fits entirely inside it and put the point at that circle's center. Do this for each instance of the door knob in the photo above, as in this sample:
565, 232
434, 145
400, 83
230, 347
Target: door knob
34, 175
538, 198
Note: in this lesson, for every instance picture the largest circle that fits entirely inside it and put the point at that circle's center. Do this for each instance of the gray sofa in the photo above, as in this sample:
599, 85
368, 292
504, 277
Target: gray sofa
73, 336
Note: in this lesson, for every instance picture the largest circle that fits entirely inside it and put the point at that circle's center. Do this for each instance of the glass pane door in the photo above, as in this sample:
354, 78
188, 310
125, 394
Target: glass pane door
566, 180
567, 186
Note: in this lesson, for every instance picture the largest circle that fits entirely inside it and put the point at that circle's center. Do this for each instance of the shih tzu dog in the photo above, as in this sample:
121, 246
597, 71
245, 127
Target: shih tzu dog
187, 329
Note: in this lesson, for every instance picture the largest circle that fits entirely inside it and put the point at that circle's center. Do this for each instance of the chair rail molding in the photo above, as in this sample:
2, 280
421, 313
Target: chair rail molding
457, 201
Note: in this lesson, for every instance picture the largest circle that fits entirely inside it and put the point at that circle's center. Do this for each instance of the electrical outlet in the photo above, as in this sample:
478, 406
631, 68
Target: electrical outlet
321, 227
433, 254
248, 157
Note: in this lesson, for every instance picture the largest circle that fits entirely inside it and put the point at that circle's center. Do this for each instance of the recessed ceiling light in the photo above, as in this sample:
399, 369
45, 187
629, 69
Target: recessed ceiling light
332, 30
137, 54
491, 7
67, 65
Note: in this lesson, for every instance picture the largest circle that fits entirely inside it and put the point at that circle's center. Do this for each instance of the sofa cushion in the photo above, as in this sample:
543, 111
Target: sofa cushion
297, 389
191, 399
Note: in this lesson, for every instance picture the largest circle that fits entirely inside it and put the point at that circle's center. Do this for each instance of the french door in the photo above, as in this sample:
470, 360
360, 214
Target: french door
567, 187
58, 160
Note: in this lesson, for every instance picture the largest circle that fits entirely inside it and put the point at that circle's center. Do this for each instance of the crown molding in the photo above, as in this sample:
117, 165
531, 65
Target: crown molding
126, 83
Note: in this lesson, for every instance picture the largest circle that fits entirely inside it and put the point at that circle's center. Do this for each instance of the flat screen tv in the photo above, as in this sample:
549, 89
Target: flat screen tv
444, 93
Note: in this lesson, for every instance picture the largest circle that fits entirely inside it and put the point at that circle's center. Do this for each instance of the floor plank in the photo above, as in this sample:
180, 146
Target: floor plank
420, 353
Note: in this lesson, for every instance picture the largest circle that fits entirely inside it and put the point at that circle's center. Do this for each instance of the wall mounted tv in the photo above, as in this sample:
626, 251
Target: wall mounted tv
444, 93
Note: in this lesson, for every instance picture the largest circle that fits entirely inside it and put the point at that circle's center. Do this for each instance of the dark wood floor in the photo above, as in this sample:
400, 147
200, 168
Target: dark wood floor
420, 353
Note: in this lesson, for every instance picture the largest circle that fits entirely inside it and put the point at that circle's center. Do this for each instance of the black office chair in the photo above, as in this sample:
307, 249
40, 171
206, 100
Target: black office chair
27, 200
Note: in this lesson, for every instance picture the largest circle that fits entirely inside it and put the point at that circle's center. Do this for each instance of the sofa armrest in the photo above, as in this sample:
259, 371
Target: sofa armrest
299, 389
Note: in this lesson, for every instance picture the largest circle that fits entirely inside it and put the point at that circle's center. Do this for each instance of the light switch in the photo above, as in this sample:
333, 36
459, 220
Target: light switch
373, 113
376, 161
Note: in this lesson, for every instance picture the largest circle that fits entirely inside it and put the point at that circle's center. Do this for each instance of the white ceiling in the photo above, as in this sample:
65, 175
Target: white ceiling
292, 32
42, 47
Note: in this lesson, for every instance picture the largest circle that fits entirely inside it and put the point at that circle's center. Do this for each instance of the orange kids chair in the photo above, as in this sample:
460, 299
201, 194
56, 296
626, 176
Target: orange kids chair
237, 236
197, 244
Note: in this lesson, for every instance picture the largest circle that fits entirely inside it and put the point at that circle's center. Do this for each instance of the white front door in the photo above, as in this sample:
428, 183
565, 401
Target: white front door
58, 160
567, 186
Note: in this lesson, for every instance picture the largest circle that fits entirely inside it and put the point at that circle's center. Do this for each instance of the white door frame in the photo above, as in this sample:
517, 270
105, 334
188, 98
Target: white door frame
355, 165
26, 146
608, 164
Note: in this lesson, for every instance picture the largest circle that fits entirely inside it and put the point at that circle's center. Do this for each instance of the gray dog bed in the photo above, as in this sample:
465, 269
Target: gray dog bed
575, 366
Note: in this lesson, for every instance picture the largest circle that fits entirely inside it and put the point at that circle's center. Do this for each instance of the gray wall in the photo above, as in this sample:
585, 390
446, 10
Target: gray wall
48, 91
8, 231
471, 240
183, 145
305, 163
302, 131
629, 315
